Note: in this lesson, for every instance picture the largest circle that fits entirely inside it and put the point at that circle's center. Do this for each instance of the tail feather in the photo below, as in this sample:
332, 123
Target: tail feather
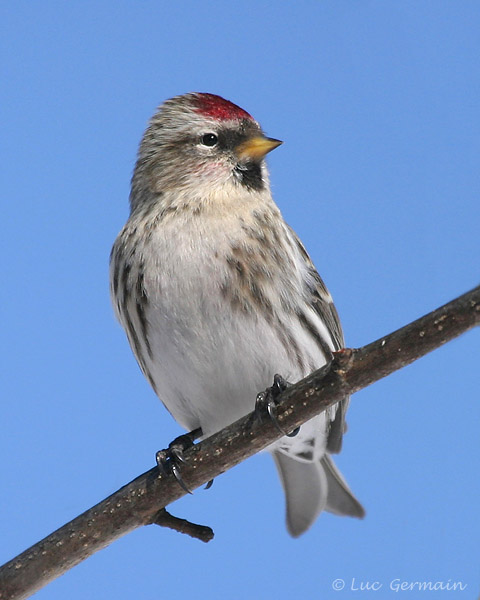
340, 499
311, 487
305, 486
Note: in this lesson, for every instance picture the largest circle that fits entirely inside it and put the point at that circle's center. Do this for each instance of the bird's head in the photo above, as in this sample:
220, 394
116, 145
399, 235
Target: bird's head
198, 144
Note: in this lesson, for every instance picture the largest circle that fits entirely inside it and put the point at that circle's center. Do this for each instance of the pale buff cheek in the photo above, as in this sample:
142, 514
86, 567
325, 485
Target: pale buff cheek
212, 175
212, 169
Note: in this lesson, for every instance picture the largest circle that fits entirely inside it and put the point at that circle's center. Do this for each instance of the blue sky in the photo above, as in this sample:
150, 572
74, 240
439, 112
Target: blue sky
378, 105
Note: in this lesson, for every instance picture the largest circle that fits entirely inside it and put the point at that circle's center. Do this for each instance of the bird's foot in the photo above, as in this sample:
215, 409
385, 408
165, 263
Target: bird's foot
267, 401
170, 459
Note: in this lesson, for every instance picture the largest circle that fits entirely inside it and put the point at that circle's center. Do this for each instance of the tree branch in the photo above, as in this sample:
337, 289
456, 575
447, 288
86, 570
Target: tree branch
142, 501
165, 519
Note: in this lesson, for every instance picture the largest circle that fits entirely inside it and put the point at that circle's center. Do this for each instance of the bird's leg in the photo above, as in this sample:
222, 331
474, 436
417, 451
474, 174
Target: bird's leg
169, 460
268, 400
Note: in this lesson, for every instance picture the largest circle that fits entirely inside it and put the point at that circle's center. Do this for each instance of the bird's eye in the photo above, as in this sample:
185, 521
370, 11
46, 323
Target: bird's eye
209, 139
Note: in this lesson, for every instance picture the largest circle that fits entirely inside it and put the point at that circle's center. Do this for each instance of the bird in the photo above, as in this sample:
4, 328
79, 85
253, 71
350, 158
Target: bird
217, 294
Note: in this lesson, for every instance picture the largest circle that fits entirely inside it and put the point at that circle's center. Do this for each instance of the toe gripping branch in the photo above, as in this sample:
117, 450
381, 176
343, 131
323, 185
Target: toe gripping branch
170, 459
267, 401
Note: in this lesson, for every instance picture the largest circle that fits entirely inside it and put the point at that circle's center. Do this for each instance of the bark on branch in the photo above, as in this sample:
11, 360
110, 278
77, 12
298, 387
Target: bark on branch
141, 501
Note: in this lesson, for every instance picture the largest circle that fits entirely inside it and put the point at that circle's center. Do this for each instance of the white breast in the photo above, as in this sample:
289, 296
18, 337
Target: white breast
209, 361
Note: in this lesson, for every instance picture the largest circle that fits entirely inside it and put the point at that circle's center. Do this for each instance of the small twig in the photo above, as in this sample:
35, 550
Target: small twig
140, 501
165, 519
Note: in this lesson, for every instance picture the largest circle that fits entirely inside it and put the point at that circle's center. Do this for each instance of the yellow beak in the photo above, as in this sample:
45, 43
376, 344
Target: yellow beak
256, 147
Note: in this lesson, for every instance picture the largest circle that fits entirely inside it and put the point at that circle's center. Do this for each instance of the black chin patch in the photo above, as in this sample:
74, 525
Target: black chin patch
250, 176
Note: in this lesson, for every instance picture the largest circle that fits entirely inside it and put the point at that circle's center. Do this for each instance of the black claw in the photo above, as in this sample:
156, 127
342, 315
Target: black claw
178, 476
271, 413
260, 402
169, 460
209, 484
294, 432
267, 400
177, 454
280, 384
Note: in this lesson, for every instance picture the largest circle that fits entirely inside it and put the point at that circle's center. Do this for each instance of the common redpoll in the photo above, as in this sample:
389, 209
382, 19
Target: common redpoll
217, 294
